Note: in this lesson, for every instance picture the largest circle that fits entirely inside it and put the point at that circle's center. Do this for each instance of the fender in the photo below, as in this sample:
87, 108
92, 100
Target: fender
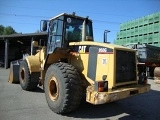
33, 63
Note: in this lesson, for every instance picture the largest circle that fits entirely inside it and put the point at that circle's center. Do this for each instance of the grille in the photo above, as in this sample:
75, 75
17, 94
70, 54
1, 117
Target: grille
125, 66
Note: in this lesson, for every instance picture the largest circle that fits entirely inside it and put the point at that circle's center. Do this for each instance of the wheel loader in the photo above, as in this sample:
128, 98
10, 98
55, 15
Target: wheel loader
71, 65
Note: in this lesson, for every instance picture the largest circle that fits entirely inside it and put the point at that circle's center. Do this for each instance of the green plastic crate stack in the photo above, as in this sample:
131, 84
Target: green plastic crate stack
141, 30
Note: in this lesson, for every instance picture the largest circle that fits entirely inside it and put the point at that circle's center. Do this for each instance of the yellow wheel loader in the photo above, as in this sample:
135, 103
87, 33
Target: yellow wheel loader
72, 65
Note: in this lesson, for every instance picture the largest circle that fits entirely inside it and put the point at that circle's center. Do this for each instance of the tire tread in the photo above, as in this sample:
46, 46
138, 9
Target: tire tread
73, 88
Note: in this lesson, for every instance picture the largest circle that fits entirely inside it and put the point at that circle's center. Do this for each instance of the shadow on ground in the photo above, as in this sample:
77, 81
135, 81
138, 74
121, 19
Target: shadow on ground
136, 107
38, 90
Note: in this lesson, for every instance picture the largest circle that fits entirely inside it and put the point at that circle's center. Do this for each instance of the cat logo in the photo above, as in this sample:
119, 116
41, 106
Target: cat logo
82, 49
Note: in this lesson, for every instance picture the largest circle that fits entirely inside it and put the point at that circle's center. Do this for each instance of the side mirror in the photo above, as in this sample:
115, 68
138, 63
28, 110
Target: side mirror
43, 25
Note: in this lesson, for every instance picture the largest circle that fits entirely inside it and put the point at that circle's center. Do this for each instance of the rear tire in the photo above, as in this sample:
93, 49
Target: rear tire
63, 88
28, 81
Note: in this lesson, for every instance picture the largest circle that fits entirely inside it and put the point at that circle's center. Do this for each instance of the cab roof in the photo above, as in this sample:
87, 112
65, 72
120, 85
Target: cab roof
66, 14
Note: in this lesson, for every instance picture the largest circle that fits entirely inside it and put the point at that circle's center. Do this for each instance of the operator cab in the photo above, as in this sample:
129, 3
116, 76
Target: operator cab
66, 28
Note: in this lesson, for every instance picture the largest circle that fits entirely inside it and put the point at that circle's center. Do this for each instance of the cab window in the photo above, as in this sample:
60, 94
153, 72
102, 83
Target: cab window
73, 31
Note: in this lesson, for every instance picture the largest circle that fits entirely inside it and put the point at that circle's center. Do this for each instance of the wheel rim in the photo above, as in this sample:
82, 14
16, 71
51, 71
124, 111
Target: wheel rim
23, 75
53, 89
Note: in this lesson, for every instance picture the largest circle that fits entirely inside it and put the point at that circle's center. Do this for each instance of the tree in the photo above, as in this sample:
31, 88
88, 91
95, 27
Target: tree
8, 30
1, 29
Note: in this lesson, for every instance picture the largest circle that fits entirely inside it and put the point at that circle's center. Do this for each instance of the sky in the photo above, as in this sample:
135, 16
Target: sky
25, 15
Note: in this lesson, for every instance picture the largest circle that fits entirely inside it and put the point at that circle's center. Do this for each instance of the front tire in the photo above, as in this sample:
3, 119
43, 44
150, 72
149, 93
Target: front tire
63, 88
28, 81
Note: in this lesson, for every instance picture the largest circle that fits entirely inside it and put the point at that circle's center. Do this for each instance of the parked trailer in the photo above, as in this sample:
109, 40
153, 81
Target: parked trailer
148, 57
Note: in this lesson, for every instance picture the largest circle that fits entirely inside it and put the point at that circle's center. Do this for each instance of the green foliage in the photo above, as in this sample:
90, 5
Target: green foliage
6, 30
1, 29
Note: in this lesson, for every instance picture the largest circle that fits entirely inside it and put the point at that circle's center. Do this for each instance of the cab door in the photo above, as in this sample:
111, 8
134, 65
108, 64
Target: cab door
55, 35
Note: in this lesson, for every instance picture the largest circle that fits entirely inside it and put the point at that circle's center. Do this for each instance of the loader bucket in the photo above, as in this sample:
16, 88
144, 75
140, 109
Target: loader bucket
14, 71
157, 75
